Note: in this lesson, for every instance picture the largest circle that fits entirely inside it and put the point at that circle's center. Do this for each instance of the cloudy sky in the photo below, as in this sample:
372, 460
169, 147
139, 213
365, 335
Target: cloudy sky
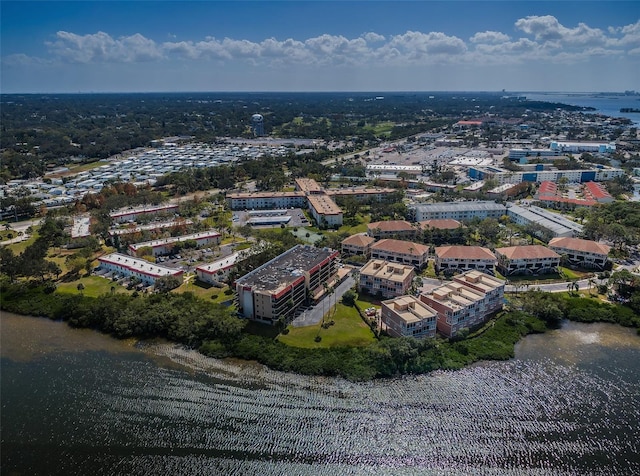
133, 46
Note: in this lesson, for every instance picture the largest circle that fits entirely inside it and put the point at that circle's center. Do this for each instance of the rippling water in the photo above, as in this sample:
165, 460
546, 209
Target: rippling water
76, 402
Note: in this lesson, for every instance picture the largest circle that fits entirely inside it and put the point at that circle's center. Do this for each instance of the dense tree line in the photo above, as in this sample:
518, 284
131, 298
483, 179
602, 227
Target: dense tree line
48, 130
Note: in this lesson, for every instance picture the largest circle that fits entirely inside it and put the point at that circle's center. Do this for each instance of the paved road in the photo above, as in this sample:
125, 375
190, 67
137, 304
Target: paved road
21, 226
314, 315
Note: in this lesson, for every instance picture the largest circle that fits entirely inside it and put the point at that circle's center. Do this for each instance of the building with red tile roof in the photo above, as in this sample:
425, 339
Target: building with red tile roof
464, 258
391, 228
359, 244
581, 253
532, 260
441, 224
398, 251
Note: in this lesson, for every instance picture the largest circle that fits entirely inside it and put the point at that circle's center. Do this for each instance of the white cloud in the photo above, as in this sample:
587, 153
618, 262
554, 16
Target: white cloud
549, 29
489, 37
101, 47
543, 38
373, 37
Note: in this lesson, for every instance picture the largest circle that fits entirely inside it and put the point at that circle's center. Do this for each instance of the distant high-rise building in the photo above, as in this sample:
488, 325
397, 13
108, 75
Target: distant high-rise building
257, 124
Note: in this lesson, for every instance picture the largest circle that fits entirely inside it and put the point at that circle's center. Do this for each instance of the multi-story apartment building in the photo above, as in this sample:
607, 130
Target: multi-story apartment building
165, 246
379, 277
217, 271
125, 265
277, 288
359, 244
540, 174
581, 253
391, 229
554, 223
441, 224
398, 251
460, 211
463, 258
465, 302
324, 210
407, 316
533, 260
266, 200
132, 214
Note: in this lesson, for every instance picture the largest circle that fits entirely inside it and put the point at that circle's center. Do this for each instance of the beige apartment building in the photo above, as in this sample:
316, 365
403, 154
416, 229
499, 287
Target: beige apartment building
399, 251
379, 277
407, 316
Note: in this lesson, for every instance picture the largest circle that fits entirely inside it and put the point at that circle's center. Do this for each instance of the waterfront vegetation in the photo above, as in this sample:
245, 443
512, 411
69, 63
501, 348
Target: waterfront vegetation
347, 349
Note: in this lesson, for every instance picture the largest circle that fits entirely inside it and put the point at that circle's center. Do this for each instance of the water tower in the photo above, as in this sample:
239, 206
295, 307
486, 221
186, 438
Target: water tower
257, 124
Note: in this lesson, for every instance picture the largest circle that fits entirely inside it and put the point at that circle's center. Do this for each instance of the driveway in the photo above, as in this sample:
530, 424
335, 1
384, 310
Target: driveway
314, 314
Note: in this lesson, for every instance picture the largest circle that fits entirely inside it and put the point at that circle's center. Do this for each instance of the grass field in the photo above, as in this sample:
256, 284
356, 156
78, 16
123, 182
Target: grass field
204, 290
94, 286
361, 227
348, 330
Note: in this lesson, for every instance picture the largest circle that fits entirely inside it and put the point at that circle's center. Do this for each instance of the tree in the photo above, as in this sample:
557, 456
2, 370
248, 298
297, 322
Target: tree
349, 297
80, 287
167, 283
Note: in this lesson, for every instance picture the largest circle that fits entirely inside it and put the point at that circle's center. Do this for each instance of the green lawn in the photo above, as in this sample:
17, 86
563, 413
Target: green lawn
361, 227
94, 286
204, 290
348, 330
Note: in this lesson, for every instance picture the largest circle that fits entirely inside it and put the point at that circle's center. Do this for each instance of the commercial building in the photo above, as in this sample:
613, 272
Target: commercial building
581, 253
165, 246
466, 302
460, 211
391, 229
523, 153
572, 147
553, 223
125, 265
407, 316
279, 287
398, 251
463, 258
379, 277
532, 260
359, 244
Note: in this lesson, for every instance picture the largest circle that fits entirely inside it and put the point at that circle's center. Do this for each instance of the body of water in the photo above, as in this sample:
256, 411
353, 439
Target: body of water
77, 402
609, 105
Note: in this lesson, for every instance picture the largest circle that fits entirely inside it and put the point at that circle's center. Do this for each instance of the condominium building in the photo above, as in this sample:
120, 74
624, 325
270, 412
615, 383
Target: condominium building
463, 258
359, 244
279, 287
554, 223
581, 253
407, 316
166, 246
217, 271
125, 265
441, 224
572, 147
266, 200
540, 174
391, 229
460, 211
533, 260
324, 210
379, 277
398, 251
466, 302
132, 214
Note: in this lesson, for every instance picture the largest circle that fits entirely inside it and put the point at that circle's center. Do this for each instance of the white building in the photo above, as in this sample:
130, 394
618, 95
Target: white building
125, 265
166, 245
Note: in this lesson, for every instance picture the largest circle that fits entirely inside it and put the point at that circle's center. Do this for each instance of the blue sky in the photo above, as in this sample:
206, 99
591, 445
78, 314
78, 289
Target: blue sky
113, 46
